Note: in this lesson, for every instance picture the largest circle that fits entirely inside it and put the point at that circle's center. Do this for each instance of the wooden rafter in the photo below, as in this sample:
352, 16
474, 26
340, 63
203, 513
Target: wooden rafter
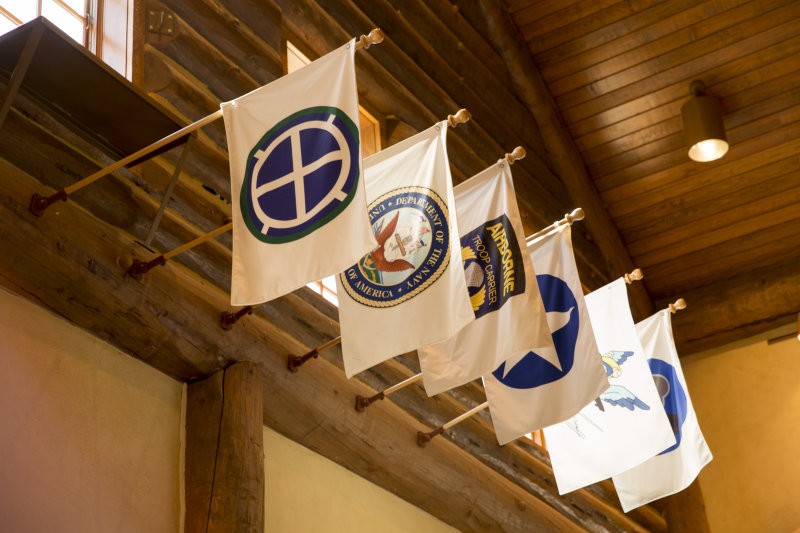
564, 158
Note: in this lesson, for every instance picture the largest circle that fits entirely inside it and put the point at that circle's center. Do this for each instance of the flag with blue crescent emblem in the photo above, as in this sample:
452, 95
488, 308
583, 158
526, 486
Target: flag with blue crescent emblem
677, 466
536, 387
509, 313
297, 190
409, 289
625, 424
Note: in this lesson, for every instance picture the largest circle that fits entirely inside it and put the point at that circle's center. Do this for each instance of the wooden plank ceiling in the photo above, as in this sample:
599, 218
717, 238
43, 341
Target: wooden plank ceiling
725, 232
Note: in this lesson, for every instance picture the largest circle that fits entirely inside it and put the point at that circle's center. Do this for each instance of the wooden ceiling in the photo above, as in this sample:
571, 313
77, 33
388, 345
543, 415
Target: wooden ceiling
619, 72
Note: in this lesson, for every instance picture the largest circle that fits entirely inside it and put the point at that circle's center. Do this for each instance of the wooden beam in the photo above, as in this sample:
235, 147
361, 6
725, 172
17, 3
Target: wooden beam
738, 307
67, 261
224, 452
392, 82
686, 511
564, 155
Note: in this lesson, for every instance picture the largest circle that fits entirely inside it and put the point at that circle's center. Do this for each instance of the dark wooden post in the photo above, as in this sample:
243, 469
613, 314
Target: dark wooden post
685, 511
225, 452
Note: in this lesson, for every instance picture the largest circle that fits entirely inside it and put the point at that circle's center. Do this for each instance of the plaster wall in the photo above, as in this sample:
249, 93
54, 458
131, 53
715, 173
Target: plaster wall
89, 437
747, 399
308, 492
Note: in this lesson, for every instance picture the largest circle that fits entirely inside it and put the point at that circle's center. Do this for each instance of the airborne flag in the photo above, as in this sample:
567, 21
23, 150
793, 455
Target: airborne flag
536, 388
509, 314
410, 289
299, 210
626, 423
675, 467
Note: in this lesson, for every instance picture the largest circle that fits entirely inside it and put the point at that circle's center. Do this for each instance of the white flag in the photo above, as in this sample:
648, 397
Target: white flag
299, 210
534, 389
626, 424
410, 289
509, 314
676, 467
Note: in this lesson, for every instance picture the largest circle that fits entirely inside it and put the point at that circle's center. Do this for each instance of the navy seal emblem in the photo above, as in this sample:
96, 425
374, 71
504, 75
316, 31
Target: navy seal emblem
492, 265
412, 228
300, 175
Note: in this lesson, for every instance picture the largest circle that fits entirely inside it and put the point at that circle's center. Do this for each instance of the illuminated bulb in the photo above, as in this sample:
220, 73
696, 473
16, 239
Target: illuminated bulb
708, 150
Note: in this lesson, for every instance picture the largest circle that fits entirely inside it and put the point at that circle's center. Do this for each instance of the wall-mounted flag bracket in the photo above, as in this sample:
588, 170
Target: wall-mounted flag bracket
425, 438
138, 268
228, 319
362, 402
295, 362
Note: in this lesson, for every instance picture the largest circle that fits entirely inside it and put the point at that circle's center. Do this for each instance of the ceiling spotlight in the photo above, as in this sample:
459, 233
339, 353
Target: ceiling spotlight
702, 125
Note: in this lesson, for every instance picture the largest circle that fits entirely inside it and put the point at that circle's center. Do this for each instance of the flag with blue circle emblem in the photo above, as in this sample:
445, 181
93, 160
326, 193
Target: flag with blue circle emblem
677, 466
536, 388
509, 314
299, 210
625, 424
409, 290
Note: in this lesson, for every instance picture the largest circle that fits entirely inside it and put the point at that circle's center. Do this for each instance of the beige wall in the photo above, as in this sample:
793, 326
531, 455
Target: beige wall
89, 437
747, 399
306, 492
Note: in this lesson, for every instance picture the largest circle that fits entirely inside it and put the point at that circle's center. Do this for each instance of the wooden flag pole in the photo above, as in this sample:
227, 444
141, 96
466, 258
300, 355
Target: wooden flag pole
515, 155
374, 37
636, 275
295, 362
569, 218
362, 402
39, 204
140, 268
424, 438
461, 116
679, 304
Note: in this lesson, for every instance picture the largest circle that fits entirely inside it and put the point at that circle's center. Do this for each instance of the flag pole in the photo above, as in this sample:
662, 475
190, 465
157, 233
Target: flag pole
138, 268
424, 438
295, 362
515, 155
636, 275
39, 204
679, 304
362, 402
569, 218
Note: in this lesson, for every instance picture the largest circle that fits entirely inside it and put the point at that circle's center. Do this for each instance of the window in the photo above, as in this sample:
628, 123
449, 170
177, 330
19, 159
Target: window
72, 16
370, 144
102, 26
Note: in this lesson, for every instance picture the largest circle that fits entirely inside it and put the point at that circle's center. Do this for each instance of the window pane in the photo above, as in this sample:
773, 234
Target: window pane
78, 5
6, 25
24, 10
63, 19
295, 59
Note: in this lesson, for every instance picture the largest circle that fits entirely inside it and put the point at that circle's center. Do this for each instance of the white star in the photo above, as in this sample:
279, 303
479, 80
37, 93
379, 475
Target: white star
555, 321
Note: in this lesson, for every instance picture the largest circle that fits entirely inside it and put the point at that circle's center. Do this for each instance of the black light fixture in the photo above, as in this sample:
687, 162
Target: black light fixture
702, 125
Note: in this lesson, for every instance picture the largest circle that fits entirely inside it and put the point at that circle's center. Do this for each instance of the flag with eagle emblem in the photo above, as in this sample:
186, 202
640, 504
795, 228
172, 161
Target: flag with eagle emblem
625, 424
410, 289
536, 388
509, 314
677, 466
299, 210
